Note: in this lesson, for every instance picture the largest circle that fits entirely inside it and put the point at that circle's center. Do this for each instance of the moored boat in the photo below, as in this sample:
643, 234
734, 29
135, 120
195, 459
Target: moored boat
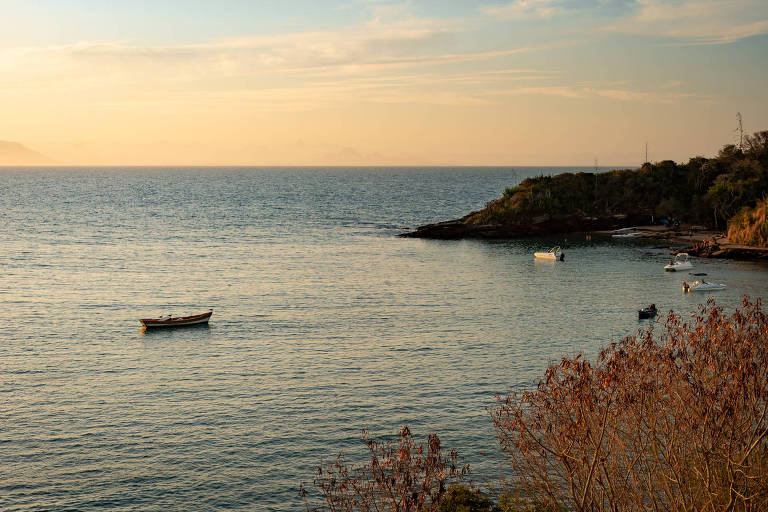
648, 312
177, 321
681, 262
554, 254
702, 286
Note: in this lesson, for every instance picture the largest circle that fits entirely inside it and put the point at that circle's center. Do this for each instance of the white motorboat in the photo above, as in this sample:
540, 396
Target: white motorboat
626, 235
681, 262
554, 254
702, 286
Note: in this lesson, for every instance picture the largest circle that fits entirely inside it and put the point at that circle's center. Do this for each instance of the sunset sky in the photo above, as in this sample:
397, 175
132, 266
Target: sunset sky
367, 82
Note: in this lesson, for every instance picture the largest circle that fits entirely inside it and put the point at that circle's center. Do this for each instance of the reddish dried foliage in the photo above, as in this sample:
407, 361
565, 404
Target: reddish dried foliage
675, 421
400, 477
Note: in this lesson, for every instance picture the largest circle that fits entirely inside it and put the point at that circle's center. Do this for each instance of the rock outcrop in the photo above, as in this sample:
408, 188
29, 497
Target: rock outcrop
727, 251
537, 226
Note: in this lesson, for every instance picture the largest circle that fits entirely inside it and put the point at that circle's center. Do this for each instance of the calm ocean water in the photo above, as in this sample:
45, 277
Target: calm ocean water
325, 323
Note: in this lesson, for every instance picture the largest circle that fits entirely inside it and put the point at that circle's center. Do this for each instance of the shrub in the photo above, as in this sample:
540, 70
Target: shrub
463, 498
402, 477
676, 421
750, 225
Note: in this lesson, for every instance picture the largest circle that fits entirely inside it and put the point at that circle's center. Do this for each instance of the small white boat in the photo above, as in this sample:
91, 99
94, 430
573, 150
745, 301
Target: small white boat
554, 254
625, 235
681, 262
702, 286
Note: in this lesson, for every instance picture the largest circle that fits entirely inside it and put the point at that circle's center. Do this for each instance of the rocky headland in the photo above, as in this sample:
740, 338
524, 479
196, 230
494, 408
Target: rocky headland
690, 204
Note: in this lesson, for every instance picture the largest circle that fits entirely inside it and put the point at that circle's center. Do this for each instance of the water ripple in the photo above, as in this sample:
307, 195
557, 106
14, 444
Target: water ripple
324, 323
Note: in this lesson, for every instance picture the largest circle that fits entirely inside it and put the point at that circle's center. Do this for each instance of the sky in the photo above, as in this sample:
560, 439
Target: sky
377, 82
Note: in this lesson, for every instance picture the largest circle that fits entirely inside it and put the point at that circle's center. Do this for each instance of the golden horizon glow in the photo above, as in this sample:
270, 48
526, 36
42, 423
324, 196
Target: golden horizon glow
507, 83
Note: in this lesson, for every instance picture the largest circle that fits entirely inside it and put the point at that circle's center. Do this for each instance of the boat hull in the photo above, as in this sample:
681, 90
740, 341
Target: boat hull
707, 288
182, 321
678, 267
554, 254
697, 286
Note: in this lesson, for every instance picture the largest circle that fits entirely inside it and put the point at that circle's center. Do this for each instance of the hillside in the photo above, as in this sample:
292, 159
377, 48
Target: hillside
703, 191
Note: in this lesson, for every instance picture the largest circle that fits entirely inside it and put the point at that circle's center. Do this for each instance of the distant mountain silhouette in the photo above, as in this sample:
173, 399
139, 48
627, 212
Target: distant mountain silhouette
13, 153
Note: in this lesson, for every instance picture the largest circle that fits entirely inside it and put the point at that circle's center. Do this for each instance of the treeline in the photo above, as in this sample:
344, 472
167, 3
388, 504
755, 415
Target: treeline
675, 418
706, 191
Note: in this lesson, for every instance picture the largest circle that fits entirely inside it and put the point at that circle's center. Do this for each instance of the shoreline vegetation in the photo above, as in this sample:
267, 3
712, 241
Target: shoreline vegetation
673, 418
720, 204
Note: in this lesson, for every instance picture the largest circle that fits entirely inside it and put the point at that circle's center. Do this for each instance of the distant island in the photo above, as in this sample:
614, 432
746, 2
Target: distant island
13, 153
725, 193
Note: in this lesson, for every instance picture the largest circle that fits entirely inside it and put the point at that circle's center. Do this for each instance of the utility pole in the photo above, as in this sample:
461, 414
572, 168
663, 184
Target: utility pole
595, 177
646, 151
740, 129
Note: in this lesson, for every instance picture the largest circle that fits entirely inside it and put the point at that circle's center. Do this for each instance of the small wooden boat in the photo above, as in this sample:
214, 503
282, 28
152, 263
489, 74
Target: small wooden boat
176, 321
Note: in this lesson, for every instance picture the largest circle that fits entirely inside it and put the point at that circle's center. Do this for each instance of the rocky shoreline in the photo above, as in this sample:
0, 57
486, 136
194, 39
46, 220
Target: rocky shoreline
701, 242
694, 240
538, 226
726, 250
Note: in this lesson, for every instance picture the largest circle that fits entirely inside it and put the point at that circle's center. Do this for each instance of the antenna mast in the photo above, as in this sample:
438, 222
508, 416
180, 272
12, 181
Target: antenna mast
741, 132
595, 185
646, 151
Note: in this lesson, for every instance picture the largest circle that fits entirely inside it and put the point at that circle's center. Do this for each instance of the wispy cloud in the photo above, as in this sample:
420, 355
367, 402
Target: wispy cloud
523, 9
696, 21
393, 57
390, 35
681, 21
582, 91
583, 11
407, 42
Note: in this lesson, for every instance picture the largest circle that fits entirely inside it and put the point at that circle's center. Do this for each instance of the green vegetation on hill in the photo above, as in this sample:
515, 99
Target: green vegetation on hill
708, 191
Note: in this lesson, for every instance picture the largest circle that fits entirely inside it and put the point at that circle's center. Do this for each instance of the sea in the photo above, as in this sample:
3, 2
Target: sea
325, 323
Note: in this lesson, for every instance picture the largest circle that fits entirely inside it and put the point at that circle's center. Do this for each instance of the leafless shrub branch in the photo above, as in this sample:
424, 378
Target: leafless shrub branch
674, 421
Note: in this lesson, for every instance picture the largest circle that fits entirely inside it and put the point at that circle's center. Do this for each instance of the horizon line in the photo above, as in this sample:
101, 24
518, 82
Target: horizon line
295, 166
